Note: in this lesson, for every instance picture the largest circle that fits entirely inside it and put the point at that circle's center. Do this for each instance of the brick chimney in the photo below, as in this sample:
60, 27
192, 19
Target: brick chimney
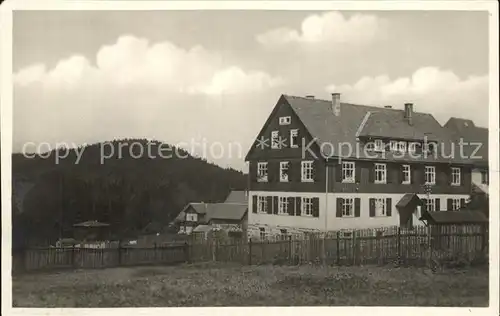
336, 104
409, 113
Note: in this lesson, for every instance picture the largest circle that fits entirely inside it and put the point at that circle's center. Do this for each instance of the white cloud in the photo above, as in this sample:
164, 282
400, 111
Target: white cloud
133, 61
329, 27
137, 89
433, 90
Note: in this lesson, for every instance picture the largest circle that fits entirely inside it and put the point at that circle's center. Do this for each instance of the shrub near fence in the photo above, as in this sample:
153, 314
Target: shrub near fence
429, 246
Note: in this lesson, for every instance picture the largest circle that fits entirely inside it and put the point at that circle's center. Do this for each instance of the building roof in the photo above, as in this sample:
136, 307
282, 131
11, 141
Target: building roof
470, 133
455, 217
228, 211
407, 199
237, 197
368, 121
91, 224
202, 228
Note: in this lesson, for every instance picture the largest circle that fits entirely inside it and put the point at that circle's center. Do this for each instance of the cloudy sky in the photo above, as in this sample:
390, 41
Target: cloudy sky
214, 76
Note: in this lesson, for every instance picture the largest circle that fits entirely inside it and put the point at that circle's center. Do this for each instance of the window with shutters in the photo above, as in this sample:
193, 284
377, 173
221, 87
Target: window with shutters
283, 205
275, 143
455, 204
262, 233
294, 138
262, 171
284, 165
430, 175
380, 173
307, 206
348, 172
262, 206
455, 176
348, 207
430, 205
406, 174
307, 171
380, 207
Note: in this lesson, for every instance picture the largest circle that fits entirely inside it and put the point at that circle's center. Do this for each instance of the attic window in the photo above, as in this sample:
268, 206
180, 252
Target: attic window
285, 120
379, 145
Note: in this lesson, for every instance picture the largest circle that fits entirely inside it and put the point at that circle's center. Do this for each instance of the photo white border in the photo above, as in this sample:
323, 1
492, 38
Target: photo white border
6, 134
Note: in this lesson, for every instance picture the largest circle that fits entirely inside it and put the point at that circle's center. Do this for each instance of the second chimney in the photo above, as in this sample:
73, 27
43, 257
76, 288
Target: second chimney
336, 104
409, 112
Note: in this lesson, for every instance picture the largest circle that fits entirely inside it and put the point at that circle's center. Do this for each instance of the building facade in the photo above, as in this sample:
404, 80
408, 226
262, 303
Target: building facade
324, 165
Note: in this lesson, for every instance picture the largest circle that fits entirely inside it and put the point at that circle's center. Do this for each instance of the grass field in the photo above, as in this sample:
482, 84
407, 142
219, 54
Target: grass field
233, 285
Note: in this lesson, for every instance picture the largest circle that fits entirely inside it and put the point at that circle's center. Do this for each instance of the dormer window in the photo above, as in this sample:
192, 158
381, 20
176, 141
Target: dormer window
285, 120
412, 147
401, 147
379, 145
393, 145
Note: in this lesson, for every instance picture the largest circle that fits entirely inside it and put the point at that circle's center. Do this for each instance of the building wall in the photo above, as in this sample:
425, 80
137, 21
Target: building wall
333, 222
364, 178
477, 179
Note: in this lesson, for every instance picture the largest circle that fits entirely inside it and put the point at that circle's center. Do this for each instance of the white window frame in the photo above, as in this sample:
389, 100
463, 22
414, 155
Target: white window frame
262, 172
455, 176
430, 175
407, 174
455, 204
306, 171
401, 147
306, 206
382, 167
393, 145
191, 217
275, 141
412, 148
431, 205
380, 207
348, 166
284, 165
262, 204
283, 205
294, 134
348, 207
285, 120
379, 145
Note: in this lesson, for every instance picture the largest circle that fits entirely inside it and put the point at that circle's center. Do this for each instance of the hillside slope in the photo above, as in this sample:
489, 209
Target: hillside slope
124, 191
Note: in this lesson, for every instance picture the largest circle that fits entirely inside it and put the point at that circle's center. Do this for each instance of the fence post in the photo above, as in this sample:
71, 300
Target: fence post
484, 237
119, 252
250, 251
429, 247
398, 241
73, 255
290, 255
338, 248
186, 252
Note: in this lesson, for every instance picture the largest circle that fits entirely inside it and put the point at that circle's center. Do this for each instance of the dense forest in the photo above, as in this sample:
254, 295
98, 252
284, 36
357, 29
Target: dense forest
125, 191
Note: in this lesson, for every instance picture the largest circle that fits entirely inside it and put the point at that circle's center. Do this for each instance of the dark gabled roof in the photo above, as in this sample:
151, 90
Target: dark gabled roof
229, 211
237, 197
406, 199
470, 133
371, 121
455, 217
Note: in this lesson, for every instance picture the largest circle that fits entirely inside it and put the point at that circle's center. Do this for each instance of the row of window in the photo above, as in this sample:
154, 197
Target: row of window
277, 142
346, 207
349, 174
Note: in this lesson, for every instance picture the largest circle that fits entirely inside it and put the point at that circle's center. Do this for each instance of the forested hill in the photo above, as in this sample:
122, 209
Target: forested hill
126, 191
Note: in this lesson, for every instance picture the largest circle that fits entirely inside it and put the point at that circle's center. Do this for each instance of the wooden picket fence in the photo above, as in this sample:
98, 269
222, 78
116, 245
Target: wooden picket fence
418, 246
429, 246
